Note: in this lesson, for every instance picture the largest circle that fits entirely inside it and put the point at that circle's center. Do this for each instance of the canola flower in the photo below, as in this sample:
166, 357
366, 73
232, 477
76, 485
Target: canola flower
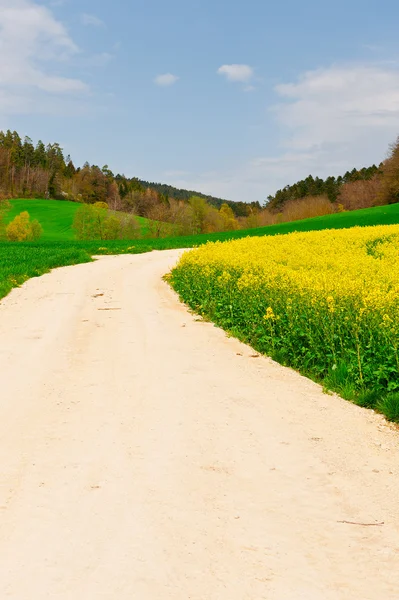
325, 302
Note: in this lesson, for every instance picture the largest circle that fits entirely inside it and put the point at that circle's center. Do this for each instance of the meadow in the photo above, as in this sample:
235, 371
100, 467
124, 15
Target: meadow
324, 302
56, 217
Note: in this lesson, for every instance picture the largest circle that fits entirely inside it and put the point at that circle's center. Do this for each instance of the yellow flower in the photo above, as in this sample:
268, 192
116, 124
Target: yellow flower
269, 314
351, 275
224, 278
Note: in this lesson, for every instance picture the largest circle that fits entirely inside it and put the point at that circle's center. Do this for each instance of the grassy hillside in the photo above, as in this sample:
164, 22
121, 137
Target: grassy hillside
55, 216
379, 215
20, 261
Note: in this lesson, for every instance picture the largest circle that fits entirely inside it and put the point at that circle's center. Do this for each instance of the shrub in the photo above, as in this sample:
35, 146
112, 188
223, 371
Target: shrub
94, 222
22, 229
101, 205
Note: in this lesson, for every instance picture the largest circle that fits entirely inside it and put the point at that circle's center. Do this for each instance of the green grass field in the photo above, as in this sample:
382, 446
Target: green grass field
20, 261
55, 216
380, 215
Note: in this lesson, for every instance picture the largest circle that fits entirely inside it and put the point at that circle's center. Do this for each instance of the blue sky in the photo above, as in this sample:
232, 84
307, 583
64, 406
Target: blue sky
232, 98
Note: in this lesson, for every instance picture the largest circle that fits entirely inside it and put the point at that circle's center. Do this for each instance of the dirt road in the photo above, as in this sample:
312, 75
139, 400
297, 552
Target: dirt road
144, 455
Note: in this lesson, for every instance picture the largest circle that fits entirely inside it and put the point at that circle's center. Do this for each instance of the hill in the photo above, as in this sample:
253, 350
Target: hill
55, 216
42, 171
378, 215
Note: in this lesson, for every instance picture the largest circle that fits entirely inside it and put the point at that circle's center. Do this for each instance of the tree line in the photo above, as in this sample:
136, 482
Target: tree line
313, 196
43, 171
240, 209
315, 186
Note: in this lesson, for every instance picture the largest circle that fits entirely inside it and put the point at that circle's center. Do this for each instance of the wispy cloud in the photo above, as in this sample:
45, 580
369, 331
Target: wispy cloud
237, 73
91, 20
166, 79
332, 119
329, 120
340, 106
33, 42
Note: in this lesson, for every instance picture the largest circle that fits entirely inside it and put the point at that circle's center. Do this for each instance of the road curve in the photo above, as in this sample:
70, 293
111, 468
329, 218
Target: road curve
144, 455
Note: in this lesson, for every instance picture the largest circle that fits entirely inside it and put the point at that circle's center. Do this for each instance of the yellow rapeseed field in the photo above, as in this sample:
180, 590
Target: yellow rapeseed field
326, 302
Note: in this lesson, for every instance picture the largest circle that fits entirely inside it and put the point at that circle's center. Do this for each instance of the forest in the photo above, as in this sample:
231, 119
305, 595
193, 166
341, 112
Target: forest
38, 170
331, 186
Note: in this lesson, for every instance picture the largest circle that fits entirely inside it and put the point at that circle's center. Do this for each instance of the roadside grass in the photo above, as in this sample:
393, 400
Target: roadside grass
389, 406
21, 261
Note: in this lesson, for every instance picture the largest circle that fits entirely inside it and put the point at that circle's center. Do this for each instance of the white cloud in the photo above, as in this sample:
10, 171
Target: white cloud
32, 41
329, 121
237, 73
166, 79
91, 20
340, 106
332, 120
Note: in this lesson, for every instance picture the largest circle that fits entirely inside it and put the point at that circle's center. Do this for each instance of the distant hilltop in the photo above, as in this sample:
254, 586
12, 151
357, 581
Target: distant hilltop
41, 170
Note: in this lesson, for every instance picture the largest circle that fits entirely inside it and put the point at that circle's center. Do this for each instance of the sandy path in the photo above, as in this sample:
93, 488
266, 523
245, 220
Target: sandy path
146, 456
